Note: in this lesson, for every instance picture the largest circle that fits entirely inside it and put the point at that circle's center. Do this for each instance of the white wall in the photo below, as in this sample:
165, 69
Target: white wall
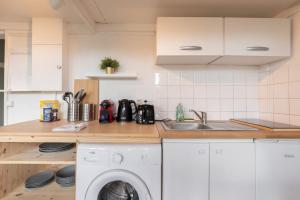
279, 89
223, 91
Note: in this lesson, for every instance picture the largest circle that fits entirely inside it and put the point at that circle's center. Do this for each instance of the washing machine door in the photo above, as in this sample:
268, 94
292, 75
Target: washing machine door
118, 185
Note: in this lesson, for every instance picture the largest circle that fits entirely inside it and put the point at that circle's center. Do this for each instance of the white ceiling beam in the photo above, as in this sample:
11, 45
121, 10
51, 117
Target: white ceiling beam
84, 15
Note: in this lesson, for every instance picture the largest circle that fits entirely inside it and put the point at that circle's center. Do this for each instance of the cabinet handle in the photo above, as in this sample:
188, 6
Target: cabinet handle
289, 155
258, 48
59, 67
190, 48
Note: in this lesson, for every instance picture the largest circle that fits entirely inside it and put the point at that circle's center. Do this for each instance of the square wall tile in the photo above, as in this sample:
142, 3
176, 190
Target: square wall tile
226, 78
240, 105
281, 106
172, 104
227, 105
251, 92
266, 116
212, 77
252, 78
295, 120
240, 115
161, 78
174, 78
239, 92
187, 104
199, 91
240, 77
226, 91
213, 105
252, 115
282, 118
281, 91
295, 106
294, 72
263, 92
252, 105
200, 105
173, 91
212, 91
294, 89
161, 92
187, 78
214, 116
187, 91
226, 115
200, 77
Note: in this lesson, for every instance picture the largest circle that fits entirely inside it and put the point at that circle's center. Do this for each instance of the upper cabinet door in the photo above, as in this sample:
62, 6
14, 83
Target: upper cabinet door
47, 31
256, 41
189, 40
257, 37
47, 67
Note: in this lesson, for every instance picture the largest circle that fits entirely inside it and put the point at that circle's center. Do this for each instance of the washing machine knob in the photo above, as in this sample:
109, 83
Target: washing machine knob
117, 158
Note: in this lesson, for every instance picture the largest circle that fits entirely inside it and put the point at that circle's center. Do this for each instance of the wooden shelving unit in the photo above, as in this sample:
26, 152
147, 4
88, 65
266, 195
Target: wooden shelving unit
50, 192
33, 156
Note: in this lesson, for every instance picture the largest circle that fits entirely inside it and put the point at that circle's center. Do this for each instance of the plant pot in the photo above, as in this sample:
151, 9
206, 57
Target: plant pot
109, 70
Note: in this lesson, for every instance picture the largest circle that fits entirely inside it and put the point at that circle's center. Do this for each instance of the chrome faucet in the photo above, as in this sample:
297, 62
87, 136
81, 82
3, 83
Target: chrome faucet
202, 117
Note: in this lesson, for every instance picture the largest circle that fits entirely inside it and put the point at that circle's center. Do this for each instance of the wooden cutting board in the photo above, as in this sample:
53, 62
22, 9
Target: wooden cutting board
91, 87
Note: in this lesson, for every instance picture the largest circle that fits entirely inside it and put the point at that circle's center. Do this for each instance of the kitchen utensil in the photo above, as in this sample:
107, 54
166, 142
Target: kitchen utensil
125, 111
55, 147
73, 112
87, 112
145, 114
65, 177
39, 180
78, 95
68, 97
106, 112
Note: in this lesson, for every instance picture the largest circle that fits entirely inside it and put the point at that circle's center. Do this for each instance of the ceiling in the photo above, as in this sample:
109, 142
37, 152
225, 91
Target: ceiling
140, 11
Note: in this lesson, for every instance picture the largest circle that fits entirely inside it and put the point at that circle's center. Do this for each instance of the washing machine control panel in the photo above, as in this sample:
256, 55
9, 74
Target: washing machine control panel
119, 154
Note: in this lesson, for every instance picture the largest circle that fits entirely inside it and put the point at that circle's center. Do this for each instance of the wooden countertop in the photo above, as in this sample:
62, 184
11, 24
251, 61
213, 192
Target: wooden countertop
36, 131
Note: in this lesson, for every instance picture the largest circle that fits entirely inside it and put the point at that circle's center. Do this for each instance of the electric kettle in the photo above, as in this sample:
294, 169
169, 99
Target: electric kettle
125, 110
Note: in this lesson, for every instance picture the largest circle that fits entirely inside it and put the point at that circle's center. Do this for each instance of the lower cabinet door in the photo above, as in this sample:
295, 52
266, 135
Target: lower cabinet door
232, 171
185, 171
278, 170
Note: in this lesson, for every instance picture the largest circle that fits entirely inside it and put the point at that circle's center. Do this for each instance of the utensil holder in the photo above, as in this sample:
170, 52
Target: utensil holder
87, 112
73, 112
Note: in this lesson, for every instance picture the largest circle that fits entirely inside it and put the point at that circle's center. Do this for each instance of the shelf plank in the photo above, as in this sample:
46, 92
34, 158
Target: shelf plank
52, 191
33, 156
114, 76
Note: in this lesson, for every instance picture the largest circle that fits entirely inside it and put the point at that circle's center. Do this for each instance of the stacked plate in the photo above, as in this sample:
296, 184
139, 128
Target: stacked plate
55, 147
65, 177
40, 179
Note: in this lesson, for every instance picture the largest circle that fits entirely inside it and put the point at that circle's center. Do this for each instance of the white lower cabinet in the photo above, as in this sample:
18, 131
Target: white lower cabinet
277, 170
232, 174
205, 170
185, 170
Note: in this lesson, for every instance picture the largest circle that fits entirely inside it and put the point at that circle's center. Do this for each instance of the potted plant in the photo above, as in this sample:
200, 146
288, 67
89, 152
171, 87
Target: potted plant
109, 65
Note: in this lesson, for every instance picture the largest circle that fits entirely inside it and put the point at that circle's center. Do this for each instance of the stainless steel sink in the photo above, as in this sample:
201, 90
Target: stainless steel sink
210, 126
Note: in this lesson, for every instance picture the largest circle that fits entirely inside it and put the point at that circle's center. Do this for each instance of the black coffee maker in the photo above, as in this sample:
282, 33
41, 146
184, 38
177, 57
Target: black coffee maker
145, 114
125, 110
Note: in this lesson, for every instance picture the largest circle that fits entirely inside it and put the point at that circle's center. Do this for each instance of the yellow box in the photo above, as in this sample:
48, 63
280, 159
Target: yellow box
54, 104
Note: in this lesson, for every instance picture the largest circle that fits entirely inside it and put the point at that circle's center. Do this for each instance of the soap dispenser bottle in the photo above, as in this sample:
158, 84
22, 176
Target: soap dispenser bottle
179, 113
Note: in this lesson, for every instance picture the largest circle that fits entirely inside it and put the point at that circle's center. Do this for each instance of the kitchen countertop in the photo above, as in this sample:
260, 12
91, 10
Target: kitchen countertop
35, 131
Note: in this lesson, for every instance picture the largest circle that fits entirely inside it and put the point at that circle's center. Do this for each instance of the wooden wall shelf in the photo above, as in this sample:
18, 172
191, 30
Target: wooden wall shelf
33, 156
52, 191
114, 76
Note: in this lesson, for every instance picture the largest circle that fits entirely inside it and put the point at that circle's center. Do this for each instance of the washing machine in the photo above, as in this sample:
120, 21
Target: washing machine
118, 171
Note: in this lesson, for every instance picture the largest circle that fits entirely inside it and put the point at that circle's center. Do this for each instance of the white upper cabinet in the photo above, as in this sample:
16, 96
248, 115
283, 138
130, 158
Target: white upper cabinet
189, 40
47, 54
47, 31
256, 41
